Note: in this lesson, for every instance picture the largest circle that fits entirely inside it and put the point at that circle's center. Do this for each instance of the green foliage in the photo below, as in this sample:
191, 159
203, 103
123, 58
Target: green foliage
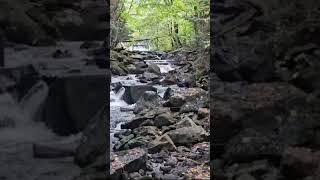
168, 24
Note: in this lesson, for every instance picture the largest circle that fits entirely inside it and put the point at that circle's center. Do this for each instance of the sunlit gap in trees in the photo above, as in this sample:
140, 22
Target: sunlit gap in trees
161, 24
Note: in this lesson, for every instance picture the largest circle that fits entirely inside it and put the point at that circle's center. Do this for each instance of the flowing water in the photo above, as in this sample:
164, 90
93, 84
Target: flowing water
118, 117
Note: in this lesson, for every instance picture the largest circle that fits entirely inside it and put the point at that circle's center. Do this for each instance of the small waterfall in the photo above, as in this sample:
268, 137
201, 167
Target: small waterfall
116, 98
120, 93
18, 119
164, 65
165, 68
34, 101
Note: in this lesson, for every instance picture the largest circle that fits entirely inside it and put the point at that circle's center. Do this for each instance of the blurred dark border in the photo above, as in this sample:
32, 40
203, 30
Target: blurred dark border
264, 89
55, 80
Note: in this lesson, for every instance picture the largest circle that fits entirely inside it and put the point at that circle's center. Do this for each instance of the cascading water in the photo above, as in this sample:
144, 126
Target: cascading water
117, 117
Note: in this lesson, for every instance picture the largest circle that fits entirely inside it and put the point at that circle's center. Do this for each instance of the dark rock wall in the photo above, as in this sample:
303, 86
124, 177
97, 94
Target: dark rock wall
264, 88
39, 22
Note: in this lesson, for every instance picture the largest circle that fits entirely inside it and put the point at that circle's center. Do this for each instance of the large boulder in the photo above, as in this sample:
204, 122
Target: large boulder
164, 119
134, 93
149, 101
117, 68
188, 135
66, 110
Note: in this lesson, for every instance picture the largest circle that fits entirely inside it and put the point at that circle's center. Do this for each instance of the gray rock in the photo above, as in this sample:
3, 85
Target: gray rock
164, 120
149, 101
129, 161
153, 68
134, 93
163, 142
187, 135
66, 110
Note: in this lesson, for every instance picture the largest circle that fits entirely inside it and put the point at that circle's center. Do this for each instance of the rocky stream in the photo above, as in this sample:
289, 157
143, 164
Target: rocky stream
159, 117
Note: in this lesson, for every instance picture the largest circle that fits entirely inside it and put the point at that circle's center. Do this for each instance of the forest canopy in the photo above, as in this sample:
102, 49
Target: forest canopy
164, 24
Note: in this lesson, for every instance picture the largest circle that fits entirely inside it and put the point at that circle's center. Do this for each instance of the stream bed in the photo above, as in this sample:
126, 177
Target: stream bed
153, 123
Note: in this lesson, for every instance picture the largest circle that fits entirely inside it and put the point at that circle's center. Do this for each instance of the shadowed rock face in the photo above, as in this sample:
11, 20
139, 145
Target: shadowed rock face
264, 88
67, 109
42, 22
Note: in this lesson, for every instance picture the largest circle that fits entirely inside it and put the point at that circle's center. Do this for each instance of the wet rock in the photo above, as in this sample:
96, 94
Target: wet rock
141, 141
66, 110
164, 120
134, 93
175, 101
154, 68
187, 135
194, 105
93, 143
127, 161
163, 142
187, 80
123, 132
134, 70
185, 122
134, 123
150, 76
122, 144
167, 94
117, 69
146, 131
170, 79
150, 100
116, 86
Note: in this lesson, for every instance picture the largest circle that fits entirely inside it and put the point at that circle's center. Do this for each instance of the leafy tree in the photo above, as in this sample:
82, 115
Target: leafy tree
168, 24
